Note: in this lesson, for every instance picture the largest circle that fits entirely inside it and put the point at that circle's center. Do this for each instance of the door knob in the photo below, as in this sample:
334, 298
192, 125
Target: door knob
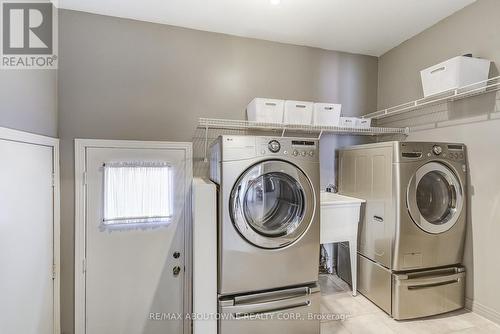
176, 271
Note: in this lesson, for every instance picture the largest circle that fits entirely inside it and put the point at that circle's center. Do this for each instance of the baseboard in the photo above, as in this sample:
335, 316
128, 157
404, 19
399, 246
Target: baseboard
482, 310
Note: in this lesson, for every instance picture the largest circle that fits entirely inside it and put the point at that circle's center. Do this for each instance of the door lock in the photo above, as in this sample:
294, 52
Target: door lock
176, 271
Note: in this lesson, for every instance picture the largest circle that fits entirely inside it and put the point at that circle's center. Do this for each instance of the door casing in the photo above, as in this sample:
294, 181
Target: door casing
80, 235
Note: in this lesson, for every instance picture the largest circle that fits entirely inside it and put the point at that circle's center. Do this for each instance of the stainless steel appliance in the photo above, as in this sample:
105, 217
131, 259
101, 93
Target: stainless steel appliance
282, 312
412, 234
268, 235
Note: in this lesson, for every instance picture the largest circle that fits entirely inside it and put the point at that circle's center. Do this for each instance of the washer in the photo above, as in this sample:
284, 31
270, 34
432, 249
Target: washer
412, 234
432, 183
268, 212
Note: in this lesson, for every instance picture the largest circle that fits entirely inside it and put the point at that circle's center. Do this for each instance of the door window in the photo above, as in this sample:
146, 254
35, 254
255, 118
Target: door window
274, 204
137, 193
435, 198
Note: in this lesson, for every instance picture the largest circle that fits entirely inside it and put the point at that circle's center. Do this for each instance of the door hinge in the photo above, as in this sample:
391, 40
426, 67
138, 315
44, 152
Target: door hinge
53, 271
53, 179
84, 178
84, 266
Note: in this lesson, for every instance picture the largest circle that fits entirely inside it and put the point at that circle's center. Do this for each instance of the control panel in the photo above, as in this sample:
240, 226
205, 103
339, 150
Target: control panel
295, 148
416, 151
456, 152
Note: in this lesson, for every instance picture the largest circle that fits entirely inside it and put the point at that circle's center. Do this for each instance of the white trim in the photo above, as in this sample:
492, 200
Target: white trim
482, 310
30, 138
81, 146
27, 137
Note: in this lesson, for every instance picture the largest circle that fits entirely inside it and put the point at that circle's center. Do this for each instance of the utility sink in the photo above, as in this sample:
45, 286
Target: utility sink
339, 217
339, 220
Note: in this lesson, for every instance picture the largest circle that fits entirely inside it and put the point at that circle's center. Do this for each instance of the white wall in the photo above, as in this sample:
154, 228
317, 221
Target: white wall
474, 29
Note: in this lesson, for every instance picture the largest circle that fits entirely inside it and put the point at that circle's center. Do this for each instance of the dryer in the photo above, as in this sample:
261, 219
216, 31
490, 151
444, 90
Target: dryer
411, 237
268, 231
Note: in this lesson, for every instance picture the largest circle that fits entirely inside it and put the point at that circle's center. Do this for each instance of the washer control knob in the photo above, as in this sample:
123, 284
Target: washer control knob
303, 153
311, 153
437, 149
274, 146
295, 153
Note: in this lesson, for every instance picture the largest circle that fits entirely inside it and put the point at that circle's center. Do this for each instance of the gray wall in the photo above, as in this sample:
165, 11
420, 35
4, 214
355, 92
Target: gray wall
475, 122
28, 100
474, 29
124, 79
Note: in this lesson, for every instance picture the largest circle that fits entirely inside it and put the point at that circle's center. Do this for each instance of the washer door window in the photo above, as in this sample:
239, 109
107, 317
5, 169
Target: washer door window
435, 198
272, 204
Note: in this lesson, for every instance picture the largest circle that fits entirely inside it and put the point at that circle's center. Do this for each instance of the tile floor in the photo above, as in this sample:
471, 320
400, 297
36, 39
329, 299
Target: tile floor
359, 316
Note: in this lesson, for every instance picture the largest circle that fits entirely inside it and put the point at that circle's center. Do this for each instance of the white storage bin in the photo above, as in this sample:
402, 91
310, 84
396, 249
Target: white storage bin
364, 122
326, 114
298, 112
265, 110
454, 73
348, 122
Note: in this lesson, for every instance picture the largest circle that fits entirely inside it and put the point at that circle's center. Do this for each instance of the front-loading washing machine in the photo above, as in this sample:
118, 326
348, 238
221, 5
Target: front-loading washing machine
268, 232
412, 234
432, 181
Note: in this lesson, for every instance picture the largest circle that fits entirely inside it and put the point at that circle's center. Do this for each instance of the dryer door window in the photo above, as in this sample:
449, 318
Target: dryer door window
435, 198
272, 204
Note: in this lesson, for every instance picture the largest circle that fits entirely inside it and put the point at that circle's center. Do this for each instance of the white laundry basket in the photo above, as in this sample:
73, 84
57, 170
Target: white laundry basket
327, 114
364, 123
348, 122
298, 112
454, 73
265, 110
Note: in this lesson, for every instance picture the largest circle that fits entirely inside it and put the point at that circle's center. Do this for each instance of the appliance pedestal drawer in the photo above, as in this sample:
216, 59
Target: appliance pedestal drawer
288, 311
427, 293
374, 282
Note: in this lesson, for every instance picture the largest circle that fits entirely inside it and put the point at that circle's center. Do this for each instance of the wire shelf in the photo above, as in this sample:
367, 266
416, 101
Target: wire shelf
212, 123
475, 89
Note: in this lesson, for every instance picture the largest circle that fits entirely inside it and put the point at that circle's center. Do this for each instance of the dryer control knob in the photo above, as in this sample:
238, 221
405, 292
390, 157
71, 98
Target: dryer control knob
274, 146
437, 149
295, 153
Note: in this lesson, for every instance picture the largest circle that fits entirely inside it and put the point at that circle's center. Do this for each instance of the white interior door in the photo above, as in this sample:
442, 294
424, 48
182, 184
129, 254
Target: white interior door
26, 238
134, 279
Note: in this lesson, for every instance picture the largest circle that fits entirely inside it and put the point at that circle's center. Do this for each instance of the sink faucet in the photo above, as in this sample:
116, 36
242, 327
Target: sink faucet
332, 188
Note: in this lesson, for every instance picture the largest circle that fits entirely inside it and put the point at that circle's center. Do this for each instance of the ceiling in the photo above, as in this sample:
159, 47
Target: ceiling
369, 27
